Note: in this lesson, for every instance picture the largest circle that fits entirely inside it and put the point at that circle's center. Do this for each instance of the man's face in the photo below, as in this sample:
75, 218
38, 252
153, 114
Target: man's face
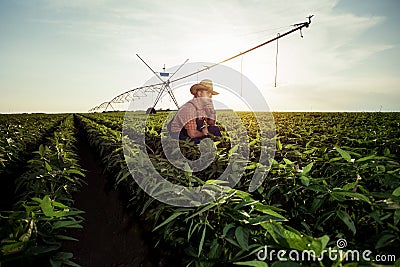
204, 93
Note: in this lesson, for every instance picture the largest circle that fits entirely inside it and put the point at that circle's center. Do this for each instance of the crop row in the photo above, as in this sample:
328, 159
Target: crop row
33, 230
20, 133
334, 174
229, 229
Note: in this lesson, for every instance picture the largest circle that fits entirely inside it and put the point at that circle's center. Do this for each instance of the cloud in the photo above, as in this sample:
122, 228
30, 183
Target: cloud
336, 39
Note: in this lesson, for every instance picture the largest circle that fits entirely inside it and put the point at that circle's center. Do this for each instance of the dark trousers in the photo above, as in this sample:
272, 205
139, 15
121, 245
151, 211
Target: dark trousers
183, 135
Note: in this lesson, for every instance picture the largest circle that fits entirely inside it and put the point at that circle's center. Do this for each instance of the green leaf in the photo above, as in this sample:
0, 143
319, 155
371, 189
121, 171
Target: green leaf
48, 167
262, 219
341, 194
319, 244
288, 162
252, 263
371, 157
305, 180
267, 210
38, 200
12, 248
310, 151
345, 217
63, 256
287, 237
46, 206
209, 206
233, 150
343, 153
384, 240
71, 263
192, 229
64, 237
67, 224
56, 263
291, 146
278, 144
242, 237
146, 205
202, 240
75, 171
233, 242
41, 150
227, 228
307, 168
216, 182
386, 152
215, 250
172, 217
396, 217
59, 205
122, 177
62, 259
396, 192
316, 204
43, 249
188, 171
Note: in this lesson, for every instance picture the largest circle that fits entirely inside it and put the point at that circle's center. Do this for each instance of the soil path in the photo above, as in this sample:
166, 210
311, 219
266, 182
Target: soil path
110, 235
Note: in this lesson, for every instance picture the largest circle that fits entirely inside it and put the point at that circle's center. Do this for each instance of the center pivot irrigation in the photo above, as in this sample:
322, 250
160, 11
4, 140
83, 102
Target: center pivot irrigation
164, 86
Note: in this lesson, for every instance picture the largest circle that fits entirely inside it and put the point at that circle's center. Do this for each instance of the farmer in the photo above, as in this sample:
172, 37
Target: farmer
196, 118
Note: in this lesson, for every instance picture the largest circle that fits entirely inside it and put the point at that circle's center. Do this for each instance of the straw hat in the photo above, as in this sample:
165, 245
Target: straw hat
205, 84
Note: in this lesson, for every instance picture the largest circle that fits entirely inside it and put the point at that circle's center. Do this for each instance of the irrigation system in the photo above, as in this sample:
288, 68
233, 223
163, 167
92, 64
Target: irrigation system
164, 86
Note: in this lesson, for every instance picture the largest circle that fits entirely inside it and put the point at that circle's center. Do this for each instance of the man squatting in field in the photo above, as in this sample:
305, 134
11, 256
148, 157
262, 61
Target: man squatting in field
196, 118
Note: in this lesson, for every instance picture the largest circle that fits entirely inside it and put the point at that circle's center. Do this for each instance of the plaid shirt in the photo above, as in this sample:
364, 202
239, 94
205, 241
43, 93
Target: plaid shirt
187, 114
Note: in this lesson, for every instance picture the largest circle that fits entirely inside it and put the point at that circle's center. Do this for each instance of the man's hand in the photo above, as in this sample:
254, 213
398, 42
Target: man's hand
198, 134
210, 122
204, 131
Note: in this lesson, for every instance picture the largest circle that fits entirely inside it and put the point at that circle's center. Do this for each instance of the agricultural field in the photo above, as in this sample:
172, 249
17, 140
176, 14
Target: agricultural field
333, 187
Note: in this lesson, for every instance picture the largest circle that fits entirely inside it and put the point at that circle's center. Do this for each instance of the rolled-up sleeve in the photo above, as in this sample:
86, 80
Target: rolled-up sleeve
185, 117
191, 125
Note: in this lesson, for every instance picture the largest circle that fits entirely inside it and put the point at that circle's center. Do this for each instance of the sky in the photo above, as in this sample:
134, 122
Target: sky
69, 56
